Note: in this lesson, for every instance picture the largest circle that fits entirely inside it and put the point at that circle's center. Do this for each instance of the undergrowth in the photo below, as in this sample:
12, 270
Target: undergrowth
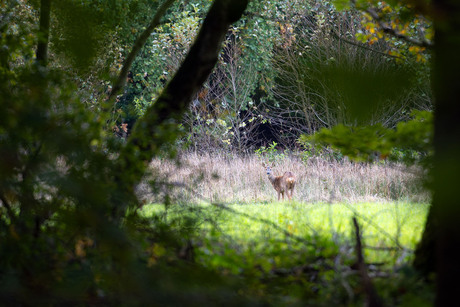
297, 253
300, 252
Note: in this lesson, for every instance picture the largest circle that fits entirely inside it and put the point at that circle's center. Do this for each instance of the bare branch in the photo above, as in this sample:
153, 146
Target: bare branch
389, 30
373, 299
140, 42
8, 207
43, 32
285, 232
340, 37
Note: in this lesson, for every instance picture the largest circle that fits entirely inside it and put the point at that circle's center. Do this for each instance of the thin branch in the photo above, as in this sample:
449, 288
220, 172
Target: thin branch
370, 222
389, 30
336, 35
288, 234
159, 125
373, 299
43, 32
269, 223
7, 205
140, 42
385, 248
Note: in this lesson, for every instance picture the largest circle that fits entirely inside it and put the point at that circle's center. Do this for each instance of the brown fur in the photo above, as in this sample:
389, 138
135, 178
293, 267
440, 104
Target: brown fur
282, 184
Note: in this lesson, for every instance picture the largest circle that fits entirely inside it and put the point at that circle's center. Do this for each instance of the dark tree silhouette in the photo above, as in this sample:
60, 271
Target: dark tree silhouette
445, 213
440, 245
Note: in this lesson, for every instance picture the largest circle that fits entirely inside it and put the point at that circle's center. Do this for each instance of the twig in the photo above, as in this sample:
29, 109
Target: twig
267, 222
373, 299
7, 205
43, 34
355, 212
385, 248
339, 37
389, 30
223, 206
137, 47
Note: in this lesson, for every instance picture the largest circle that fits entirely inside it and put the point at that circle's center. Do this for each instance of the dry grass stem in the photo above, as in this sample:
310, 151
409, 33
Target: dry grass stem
221, 179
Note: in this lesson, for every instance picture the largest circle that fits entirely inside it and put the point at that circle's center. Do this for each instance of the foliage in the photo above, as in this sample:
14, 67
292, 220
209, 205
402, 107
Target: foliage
53, 151
161, 57
228, 96
326, 77
69, 227
405, 27
254, 86
363, 142
270, 154
303, 253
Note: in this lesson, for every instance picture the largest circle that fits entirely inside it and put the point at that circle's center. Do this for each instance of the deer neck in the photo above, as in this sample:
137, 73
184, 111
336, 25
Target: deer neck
271, 177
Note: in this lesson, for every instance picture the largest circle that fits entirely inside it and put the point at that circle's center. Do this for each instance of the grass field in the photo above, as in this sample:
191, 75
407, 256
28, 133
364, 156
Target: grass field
390, 230
236, 179
225, 209
388, 199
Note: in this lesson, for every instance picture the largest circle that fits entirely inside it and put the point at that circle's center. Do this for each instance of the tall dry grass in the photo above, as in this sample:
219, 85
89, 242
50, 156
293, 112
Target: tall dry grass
235, 179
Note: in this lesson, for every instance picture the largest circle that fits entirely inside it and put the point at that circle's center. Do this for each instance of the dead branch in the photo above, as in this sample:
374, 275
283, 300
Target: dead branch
389, 30
140, 42
372, 298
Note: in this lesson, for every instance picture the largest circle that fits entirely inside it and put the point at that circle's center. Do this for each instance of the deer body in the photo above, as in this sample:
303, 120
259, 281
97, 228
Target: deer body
282, 184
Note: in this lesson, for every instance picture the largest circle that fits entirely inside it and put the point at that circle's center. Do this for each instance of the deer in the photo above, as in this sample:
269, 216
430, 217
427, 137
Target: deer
282, 184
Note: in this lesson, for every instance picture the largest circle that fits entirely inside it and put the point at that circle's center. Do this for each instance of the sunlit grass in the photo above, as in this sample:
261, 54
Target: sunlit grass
390, 230
385, 197
218, 179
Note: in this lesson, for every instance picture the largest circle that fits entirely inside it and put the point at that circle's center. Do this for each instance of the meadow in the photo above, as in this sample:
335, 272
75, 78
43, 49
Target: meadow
230, 198
300, 251
232, 179
390, 231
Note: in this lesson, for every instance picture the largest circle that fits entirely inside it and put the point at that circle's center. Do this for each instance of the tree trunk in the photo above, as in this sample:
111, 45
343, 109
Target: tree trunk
446, 204
43, 32
440, 243
160, 123
425, 260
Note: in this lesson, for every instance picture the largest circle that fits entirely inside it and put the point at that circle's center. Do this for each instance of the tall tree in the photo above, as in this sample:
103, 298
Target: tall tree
60, 242
160, 122
444, 218
440, 244
44, 30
